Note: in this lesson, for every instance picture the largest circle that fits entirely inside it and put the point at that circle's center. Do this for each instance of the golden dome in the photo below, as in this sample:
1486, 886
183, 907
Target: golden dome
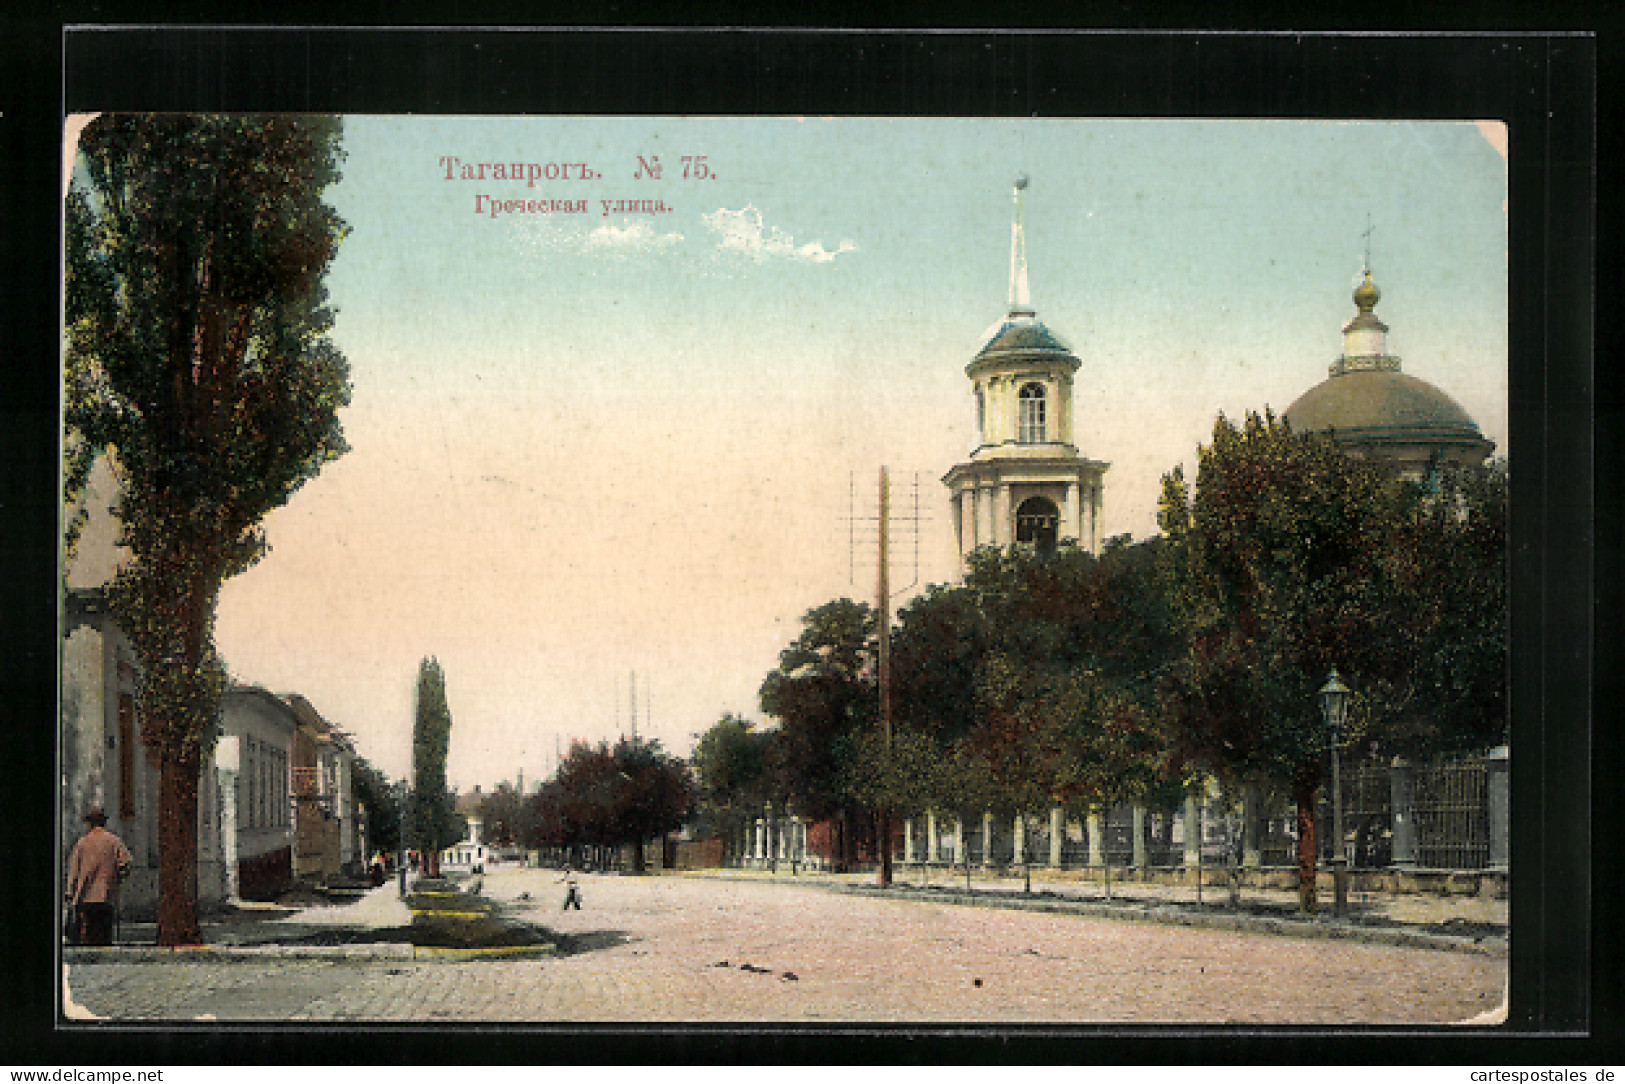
1366, 295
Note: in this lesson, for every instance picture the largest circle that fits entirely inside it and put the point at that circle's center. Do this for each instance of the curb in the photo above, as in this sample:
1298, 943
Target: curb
214, 953
185, 954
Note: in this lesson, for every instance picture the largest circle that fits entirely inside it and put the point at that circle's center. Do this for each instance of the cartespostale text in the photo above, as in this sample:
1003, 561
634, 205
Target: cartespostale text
1538, 1076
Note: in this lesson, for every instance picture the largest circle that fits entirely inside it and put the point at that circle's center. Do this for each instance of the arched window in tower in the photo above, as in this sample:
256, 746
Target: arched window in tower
1030, 414
1038, 524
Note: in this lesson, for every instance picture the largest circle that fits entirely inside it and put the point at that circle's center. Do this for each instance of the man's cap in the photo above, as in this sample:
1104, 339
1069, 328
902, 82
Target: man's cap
95, 815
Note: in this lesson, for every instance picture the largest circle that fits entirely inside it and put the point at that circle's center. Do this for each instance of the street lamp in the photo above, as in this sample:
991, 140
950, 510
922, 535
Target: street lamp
1334, 706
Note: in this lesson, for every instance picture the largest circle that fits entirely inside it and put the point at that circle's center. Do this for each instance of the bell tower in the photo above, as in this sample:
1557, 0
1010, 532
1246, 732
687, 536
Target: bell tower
1025, 481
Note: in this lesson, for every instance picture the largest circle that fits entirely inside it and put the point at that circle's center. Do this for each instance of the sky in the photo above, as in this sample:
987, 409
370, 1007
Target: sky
588, 446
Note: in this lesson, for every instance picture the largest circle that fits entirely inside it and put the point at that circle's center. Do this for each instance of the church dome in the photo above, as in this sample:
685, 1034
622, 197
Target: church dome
1373, 402
1020, 335
1372, 408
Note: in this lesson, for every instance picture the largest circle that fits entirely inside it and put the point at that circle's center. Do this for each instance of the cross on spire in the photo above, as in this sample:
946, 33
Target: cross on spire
1369, 228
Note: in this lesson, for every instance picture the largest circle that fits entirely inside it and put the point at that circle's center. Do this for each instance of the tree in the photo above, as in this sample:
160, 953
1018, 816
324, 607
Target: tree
610, 796
937, 650
733, 773
373, 790
654, 793
823, 693
1107, 748
1276, 573
504, 816
433, 806
1444, 690
1010, 740
907, 778
197, 358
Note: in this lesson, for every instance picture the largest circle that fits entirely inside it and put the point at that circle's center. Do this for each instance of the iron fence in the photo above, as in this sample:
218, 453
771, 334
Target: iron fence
1449, 827
1452, 821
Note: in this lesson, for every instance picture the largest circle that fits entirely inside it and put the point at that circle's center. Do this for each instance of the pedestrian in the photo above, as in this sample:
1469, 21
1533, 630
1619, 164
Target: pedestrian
98, 864
572, 893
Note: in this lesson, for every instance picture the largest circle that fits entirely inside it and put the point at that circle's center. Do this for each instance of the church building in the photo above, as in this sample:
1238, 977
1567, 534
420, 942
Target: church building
1026, 480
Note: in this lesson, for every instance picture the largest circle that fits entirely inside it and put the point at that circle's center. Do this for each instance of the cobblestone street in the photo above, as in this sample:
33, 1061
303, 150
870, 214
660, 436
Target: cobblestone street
678, 949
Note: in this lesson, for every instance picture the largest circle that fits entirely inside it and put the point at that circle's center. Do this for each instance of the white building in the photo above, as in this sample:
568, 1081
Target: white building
1026, 480
254, 752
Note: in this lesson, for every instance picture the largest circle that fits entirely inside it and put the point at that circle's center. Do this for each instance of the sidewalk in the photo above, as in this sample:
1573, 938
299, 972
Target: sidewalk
377, 925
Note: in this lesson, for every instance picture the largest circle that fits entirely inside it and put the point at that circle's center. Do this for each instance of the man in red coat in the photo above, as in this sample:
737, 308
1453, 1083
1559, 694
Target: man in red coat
98, 863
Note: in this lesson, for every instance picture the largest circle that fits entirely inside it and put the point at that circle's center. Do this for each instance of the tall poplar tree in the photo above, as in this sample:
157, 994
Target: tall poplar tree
198, 360
431, 737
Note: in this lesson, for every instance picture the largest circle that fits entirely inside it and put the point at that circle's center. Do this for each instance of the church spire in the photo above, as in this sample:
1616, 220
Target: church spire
1021, 302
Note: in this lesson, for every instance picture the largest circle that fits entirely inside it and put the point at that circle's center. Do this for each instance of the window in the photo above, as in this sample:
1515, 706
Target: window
1030, 417
981, 415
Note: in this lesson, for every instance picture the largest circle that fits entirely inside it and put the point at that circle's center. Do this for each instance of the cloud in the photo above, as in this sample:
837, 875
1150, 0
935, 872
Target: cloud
608, 239
743, 231
634, 235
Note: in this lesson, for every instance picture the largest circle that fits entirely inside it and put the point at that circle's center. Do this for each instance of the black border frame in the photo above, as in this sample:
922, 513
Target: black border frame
1544, 84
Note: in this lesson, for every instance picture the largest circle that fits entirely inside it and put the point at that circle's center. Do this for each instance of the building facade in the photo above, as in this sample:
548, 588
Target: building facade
102, 759
1025, 481
328, 826
254, 754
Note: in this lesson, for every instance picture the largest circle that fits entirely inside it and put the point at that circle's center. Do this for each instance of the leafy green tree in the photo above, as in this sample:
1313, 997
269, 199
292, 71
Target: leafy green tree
968, 788
1445, 639
654, 794
937, 650
1011, 740
907, 778
434, 807
733, 768
503, 816
1276, 573
823, 693
197, 357
1108, 749
382, 801
611, 796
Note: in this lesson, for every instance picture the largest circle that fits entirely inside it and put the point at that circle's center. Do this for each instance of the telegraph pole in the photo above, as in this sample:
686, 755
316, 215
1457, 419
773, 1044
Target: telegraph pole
883, 612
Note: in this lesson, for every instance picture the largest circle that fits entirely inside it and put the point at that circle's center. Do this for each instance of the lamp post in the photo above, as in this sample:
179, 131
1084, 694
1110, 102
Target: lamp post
1334, 704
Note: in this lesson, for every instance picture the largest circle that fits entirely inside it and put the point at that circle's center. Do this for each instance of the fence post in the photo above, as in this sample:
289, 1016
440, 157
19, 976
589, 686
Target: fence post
1252, 851
1095, 824
1057, 836
1141, 859
1191, 829
1402, 794
1497, 766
